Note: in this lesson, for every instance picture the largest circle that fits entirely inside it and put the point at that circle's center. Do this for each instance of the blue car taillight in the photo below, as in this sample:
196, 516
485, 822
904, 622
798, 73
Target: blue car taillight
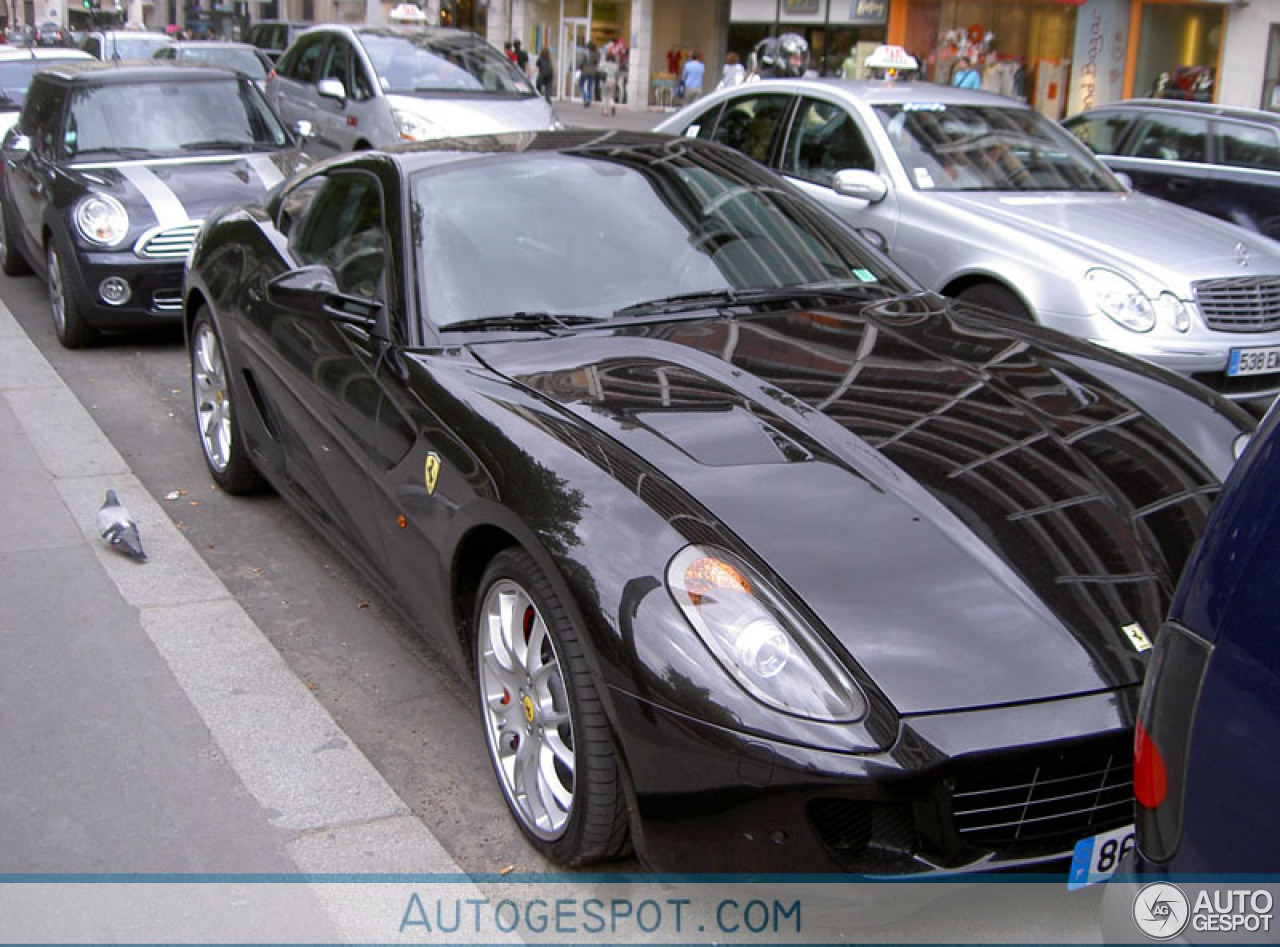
1162, 738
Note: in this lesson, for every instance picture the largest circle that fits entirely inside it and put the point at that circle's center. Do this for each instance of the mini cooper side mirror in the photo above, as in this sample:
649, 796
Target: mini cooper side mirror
304, 129
865, 185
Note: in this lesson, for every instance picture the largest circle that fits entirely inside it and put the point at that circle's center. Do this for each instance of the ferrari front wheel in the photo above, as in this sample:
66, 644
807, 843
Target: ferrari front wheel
546, 731
220, 440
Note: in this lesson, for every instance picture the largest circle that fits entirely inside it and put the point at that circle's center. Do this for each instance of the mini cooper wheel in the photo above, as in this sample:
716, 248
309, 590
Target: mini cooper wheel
68, 322
545, 729
220, 440
11, 261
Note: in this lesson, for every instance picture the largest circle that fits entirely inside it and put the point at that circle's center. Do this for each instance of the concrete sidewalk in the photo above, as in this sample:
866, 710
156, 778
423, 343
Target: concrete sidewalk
146, 724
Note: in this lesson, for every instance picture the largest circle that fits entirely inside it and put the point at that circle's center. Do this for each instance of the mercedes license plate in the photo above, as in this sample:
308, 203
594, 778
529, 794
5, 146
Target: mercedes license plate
1257, 361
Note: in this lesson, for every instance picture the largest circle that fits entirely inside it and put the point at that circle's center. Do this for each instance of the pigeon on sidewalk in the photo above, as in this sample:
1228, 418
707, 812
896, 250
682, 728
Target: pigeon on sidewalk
119, 529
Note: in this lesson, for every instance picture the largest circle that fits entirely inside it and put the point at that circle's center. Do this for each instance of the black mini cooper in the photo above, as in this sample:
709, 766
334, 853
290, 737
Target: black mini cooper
108, 174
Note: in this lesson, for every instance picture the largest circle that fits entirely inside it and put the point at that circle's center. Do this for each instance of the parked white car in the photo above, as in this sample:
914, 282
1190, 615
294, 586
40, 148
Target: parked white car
982, 198
372, 87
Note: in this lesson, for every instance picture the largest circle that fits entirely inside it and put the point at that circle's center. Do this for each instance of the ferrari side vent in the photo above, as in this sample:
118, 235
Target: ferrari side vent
1240, 304
167, 243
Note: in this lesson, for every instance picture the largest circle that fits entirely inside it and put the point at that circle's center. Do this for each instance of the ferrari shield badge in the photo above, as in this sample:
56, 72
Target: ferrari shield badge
431, 471
1137, 637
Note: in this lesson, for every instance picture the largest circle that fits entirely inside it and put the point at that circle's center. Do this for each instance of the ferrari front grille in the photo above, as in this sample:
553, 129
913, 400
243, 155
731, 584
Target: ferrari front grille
167, 243
1240, 304
1058, 796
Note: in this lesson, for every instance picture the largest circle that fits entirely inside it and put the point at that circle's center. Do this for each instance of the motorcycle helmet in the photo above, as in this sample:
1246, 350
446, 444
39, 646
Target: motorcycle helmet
793, 55
785, 56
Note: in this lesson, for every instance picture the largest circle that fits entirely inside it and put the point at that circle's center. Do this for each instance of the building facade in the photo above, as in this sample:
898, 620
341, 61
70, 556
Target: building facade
1060, 55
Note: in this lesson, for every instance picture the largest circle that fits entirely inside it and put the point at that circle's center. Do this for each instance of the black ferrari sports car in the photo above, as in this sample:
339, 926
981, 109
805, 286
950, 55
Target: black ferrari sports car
108, 173
761, 558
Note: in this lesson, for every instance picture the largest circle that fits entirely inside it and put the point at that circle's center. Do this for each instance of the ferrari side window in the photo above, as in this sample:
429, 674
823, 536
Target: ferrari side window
342, 230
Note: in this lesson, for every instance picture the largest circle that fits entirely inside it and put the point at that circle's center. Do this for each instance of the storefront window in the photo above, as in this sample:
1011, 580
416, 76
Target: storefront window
1021, 49
1178, 51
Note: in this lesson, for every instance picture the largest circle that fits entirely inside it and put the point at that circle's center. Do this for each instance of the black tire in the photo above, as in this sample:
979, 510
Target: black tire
216, 426
580, 815
11, 259
994, 296
68, 322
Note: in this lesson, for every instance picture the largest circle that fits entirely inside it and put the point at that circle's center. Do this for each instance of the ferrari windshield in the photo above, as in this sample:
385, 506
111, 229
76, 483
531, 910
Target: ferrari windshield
989, 148
616, 231
441, 62
152, 118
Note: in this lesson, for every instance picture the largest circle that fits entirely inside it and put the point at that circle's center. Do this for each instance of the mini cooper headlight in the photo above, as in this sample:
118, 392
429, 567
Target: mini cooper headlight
101, 220
1120, 300
1172, 312
413, 127
766, 647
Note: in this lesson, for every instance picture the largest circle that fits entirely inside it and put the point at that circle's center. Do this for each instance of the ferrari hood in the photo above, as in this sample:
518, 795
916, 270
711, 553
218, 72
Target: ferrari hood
177, 190
976, 519
1138, 233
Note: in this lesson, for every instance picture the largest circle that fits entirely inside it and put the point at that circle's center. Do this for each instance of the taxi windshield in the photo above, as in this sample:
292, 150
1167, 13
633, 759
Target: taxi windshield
431, 62
989, 148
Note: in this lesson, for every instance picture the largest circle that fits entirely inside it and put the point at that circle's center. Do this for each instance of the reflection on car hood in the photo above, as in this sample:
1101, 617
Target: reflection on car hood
975, 518
1140, 234
190, 188
477, 114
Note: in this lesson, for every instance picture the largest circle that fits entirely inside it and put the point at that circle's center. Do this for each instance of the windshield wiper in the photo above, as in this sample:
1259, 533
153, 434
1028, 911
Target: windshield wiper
521, 320
707, 299
221, 144
123, 150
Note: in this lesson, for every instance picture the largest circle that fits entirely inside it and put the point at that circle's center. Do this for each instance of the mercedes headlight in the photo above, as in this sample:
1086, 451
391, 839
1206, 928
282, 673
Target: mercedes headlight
413, 127
1173, 312
761, 641
1120, 300
101, 220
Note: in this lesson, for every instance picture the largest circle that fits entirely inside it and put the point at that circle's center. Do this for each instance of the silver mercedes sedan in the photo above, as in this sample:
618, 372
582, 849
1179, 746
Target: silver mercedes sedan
981, 197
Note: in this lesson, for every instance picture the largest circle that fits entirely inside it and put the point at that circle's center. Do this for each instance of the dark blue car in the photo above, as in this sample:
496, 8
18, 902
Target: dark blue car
1207, 739
1216, 159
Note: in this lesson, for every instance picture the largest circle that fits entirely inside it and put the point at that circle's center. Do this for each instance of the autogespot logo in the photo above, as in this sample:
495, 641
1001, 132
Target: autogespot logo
1161, 910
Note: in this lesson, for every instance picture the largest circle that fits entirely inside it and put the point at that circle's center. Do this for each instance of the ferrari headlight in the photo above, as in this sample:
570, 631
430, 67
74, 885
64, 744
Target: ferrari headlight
761, 641
101, 220
1120, 300
413, 127
1172, 312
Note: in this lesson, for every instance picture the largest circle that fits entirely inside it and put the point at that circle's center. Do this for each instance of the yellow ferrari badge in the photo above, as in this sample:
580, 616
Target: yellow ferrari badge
1137, 637
431, 471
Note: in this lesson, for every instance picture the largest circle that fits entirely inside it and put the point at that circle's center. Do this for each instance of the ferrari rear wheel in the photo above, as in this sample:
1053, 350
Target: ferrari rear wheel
224, 452
72, 330
544, 725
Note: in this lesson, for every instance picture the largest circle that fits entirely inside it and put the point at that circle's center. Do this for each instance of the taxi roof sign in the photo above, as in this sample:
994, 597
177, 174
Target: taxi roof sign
891, 57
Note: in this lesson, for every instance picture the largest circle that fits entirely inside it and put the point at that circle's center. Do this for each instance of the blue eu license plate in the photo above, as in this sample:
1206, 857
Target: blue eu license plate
1259, 361
1095, 859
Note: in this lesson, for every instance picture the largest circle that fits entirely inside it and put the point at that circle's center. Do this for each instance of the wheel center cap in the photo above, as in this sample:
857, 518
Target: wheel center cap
527, 703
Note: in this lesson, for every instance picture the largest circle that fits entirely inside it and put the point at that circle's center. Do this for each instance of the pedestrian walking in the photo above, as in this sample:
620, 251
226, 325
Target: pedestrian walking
588, 67
546, 73
691, 77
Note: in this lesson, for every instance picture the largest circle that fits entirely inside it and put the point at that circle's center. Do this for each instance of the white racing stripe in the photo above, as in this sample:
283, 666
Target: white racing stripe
165, 204
266, 170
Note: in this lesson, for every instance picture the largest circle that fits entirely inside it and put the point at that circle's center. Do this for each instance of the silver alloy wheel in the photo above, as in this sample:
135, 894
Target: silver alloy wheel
526, 710
213, 407
57, 299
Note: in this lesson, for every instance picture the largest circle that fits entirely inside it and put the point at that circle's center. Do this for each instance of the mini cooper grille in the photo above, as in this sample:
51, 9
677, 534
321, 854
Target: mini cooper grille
1243, 304
169, 243
1065, 796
